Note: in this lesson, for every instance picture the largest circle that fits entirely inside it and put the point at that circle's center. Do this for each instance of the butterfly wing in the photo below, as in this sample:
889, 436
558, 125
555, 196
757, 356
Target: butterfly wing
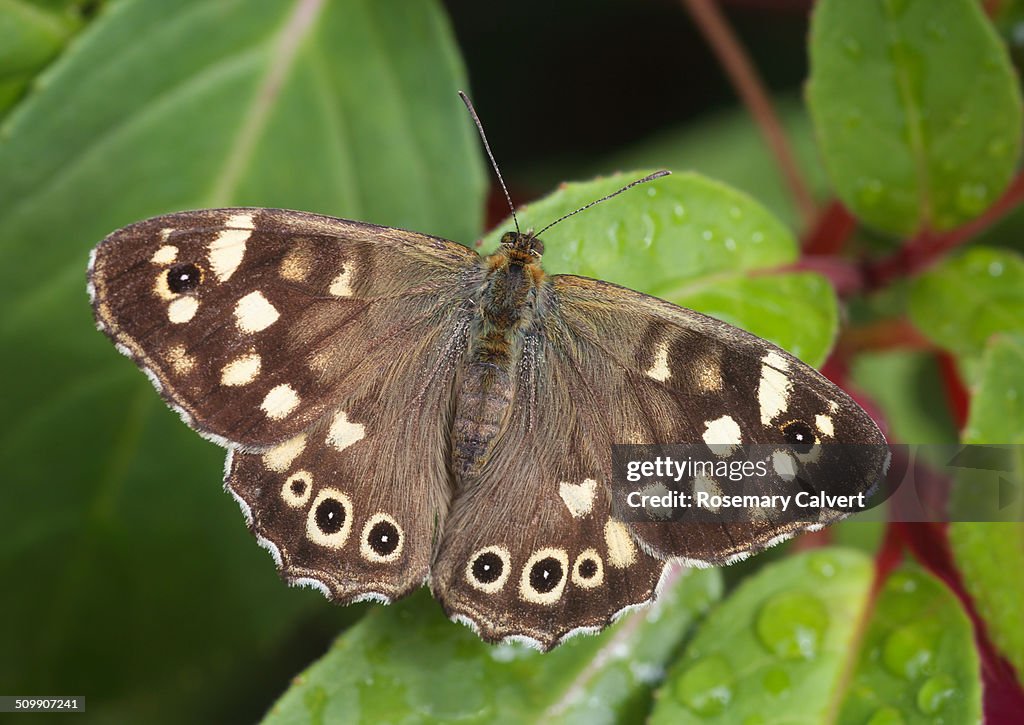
322, 353
530, 550
662, 374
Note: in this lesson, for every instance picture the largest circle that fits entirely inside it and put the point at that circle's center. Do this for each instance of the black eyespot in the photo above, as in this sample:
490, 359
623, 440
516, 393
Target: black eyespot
587, 569
383, 538
546, 574
298, 487
183, 278
330, 515
487, 567
799, 435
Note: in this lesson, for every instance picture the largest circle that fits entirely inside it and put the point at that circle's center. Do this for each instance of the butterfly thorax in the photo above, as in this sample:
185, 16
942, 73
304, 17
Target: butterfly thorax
506, 316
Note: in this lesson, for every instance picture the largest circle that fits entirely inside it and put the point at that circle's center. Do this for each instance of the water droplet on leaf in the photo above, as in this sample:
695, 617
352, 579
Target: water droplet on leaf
934, 692
706, 686
792, 625
909, 651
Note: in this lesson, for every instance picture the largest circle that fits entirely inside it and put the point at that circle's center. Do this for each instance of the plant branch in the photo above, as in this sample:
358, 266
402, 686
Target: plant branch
751, 90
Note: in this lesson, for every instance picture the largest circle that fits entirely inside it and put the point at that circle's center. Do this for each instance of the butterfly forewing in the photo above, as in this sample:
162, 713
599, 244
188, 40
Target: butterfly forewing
252, 322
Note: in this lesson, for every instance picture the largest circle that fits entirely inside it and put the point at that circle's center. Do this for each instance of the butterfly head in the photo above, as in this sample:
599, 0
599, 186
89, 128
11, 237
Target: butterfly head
522, 248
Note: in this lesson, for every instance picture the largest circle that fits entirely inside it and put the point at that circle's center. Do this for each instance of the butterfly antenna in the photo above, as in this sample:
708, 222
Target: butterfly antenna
627, 187
487, 147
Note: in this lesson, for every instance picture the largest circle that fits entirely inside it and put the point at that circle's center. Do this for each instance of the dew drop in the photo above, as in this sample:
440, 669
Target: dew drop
934, 692
706, 686
735, 212
851, 47
886, 716
757, 237
1011, 394
869, 191
972, 198
823, 565
652, 191
995, 268
909, 651
650, 230
707, 235
776, 681
679, 211
730, 244
792, 625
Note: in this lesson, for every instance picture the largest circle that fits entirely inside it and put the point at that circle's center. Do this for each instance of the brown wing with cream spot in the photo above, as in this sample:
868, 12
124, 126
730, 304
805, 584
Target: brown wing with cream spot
530, 550
254, 322
662, 374
322, 353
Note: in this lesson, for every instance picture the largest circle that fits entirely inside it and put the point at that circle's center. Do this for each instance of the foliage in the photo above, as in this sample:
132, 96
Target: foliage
130, 577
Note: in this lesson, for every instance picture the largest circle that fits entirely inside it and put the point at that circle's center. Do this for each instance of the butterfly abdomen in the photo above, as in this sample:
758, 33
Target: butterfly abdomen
485, 388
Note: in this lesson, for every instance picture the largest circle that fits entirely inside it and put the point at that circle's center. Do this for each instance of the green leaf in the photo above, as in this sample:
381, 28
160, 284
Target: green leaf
779, 643
407, 663
990, 555
32, 33
694, 242
917, 109
142, 587
917, 661
965, 300
997, 403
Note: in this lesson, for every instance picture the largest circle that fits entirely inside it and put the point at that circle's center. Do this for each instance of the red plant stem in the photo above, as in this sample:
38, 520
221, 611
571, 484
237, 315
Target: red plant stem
831, 230
928, 247
748, 85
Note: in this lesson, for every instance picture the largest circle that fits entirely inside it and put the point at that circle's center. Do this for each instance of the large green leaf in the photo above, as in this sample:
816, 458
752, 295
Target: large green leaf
917, 661
137, 583
692, 241
409, 664
803, 637
965, 300
917, 109
779, 643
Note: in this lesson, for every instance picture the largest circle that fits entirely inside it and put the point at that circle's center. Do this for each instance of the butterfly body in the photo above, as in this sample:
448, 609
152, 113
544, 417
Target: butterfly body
399, 410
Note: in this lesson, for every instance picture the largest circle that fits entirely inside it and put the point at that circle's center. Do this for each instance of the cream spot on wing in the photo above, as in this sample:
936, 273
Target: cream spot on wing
578, 497
657, 506
343, 432
181, 362
297, 263
588, 569
254, 313
242, 370
659, 368
389, 537
182, 309
773, 389
784, 465
342, 284
722, 435
165, 255
487, 569
833, 406
776, 361
160, 288
166, 233
280, 457
541, 583
621, 549
227, 250
329, 519
708, 486
297, 489
824, 423
280, 401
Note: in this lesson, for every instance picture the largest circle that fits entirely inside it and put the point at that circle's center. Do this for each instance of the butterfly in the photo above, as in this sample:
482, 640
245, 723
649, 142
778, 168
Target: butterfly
400, 410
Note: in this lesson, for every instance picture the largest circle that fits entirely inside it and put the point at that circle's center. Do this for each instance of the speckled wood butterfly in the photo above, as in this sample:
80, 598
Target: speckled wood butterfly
399, 410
